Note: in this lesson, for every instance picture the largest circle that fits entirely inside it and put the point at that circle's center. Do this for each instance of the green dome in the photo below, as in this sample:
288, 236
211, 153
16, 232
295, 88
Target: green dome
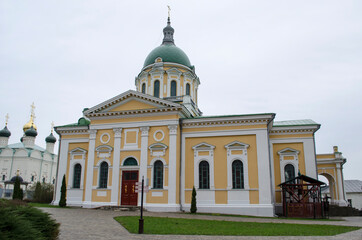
83, 121
50, 138
168, 53
5, 132
31, 132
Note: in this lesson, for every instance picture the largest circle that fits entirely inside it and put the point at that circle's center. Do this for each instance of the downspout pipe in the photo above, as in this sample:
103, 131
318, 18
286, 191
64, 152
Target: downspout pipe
180, 171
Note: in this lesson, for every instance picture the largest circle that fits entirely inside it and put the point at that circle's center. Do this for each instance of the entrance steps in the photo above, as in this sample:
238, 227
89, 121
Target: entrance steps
335, 210
121, 208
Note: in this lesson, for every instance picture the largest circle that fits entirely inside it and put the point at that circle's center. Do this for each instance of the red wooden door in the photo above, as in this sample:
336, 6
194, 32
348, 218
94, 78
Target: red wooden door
129, 195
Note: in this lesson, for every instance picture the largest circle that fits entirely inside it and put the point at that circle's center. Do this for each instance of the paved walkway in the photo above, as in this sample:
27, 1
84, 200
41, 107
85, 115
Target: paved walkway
79, 224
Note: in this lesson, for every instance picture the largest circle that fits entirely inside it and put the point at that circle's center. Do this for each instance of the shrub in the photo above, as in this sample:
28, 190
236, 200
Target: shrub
63, 192
193, 208
43, 192
18, 192
19, 221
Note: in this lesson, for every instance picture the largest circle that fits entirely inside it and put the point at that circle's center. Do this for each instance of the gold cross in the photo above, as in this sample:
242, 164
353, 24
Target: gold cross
6, 119
32, 113
169, 10
52, 126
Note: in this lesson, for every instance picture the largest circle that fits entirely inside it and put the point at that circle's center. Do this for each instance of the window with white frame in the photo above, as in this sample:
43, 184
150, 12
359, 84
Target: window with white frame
77, 175
204, 166
103, 175
237, 165
288, 158
158, 174
77, 160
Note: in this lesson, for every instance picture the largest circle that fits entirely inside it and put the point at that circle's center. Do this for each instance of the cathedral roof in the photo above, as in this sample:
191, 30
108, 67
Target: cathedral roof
5, 132
168, 51
21, 145
50, 138
31, 132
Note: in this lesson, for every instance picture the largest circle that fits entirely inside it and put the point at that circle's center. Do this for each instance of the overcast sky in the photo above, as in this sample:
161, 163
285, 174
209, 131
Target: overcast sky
298, 59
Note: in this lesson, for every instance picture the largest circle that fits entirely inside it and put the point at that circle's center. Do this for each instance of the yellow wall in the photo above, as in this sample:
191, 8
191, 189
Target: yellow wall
106, 198
221, 197
163, 199
132, 105
70, 148
301, 159
220, 162
223, 128
290, 136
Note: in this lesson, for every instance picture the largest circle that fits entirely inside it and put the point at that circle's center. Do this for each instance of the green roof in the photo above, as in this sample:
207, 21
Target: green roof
236, 115
302, 122
21, 145
168, 53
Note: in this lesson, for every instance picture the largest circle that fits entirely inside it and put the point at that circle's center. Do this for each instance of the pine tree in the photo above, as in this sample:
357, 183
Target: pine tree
17, 194
63, 192
37, 192
193, 208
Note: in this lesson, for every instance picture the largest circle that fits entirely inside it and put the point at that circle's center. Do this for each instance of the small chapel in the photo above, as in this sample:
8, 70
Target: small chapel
25, 159
157, 131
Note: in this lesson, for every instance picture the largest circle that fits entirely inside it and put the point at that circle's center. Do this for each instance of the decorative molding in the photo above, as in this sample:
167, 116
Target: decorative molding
144, 131
161, 138
173, 129
105, 135
117, 132
92, 134
210, 123
104, 151
158, 149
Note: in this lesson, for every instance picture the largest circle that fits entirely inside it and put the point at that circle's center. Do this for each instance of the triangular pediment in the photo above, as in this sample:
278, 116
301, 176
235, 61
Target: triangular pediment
203, 146
236, 145
130, 101
288, 151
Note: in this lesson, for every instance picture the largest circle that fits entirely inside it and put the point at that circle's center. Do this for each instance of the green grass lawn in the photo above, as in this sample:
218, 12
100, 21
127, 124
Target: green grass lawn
180, 226
247, 216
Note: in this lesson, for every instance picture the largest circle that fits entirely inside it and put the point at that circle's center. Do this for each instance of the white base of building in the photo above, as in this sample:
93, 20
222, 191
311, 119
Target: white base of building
261, 210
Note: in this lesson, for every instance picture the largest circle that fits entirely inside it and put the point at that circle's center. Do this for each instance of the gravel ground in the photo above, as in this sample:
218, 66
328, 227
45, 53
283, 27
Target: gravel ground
79, 224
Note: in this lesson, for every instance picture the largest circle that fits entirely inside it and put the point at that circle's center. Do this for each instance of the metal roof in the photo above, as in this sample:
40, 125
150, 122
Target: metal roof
21, 145
353, 186
302, 122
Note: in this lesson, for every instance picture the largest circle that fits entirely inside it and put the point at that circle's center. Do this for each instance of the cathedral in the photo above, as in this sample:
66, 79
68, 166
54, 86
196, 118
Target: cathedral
235, 162
26, 159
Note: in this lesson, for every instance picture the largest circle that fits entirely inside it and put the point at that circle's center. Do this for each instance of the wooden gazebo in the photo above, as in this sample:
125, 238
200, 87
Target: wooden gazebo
302, 198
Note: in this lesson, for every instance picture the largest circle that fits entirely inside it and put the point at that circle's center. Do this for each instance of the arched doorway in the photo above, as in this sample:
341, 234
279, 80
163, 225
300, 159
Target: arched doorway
330, 191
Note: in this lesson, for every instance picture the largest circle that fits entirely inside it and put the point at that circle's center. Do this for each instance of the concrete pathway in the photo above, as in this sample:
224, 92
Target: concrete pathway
79, 224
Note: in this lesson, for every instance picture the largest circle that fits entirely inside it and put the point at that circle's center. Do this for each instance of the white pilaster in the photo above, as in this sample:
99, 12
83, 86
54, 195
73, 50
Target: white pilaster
264, 177
116, 162
90, 163
310, 158
62, 168
172, 165
143, 161
341, 200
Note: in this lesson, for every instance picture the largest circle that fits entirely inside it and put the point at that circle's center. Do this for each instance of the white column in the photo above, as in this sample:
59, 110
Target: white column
264, 176
62, 168
341, 200
90, 167
172, 165
310, 161
116, 162
143, 160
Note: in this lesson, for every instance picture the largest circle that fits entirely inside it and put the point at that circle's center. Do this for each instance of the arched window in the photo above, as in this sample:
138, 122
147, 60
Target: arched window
289, 172
173, 88
158, 174
144, 88
188, 89
156, 88
32, 178
43, 179
103, 176
130, 162
5, 176
238, 174
76, 175
204, 175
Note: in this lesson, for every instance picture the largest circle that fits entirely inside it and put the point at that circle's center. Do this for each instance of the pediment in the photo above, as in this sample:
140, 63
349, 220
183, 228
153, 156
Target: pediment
130, 101
203, 146
288, 151
236, 145
78, 151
